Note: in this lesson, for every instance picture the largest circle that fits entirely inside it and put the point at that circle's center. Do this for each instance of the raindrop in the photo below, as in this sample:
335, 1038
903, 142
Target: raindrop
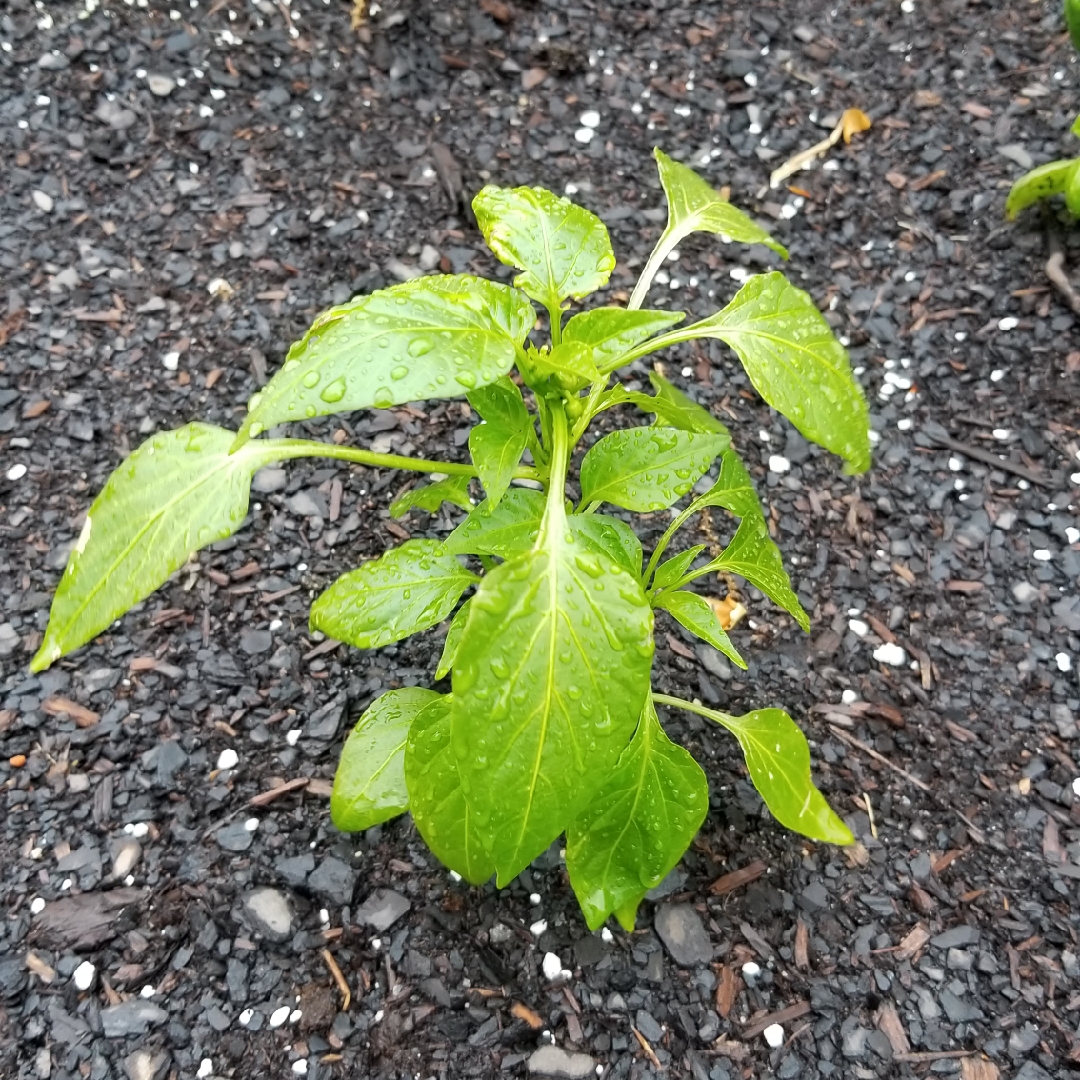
420, 346
334, 392
256, 430
311, 379
399, 372
466, 378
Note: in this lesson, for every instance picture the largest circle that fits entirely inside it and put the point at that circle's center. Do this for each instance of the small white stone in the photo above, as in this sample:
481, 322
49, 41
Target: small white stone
170, 361
1076, 786
534, 898
83, 976
849, 696
997, 375
858, 627
956, 464
217, 93
379, 1014
455, 876
17, 471
246, 1017
43, 201
220, 288
890, 653
251, 824
206, 1067
538, 927
903, 425
552, 966
1001, 434
1071, 534
606, 936
299, 1067
779, 464
1064, 661
37, 906
1008, 323
584, 135
774, 1036
324, 916
590, 119
751, 969
279, 1016
750, 79
1042, 555
292, 737
228, 758
907, 6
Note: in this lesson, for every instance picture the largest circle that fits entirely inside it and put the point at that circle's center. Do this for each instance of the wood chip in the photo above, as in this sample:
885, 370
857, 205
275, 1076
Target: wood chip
898, 180
980, 112
964, 586
730, 1049
497, 9
36, 408
916, 938
757, 942
871, 752
42, 970
265, 798
802, 946
339, 978
784, 1016
889, 1023
974, 1068
926, 99
530, 1016
647, 1049
927, 181
737, 878
320, 786
82, 716
946, 860
727, 990
532, 78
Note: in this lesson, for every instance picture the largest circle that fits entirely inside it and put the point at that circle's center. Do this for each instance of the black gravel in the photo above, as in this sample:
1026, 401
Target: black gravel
183, 190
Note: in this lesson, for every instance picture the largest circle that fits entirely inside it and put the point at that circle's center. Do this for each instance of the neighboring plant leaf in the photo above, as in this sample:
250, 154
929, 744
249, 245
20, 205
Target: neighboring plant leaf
178, 492
1041, 183
369, 785
501, 403
454, 635
1072, 191
641, 817
548, 691
562, 249
409, 589
647, 469
693, 206
669, 571
778, 759
674, 409
433, 337
795, 364
442, 816
570, 365
611, 331
430, 497
696, 614
610, 537
733, 490
1075, 129
1072, 21
506, 530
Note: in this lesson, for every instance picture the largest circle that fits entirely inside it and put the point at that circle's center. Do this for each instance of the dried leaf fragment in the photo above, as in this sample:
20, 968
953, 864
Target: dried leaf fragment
851, 122
531, 1017
729, 611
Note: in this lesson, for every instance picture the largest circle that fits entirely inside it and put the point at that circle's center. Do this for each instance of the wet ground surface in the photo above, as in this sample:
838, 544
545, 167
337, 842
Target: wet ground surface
183, 190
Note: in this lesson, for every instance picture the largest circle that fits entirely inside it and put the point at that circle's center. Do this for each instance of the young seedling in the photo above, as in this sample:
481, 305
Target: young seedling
550, 724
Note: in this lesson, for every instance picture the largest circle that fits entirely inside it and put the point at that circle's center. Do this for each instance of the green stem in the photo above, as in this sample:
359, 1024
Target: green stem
673, 337
299, 448
555, 318
589, 411
664, 246
690, 706
555, 511
663, 542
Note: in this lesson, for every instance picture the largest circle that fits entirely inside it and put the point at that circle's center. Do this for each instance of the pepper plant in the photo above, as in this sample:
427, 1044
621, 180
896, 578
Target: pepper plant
550, 723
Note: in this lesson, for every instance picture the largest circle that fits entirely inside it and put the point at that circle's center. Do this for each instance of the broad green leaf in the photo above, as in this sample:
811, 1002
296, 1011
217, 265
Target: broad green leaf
430, 497
694, 206
674, 409
433, 337
506, 530
778, 759
496, 452
561, 249
369, 785
641, 818
752, 554
1072, 21
696, 614
408, 589
795, 364
610, 537
611, 331
647, 468
570, 364
178, 492
1072, 192
1075, 129
501, 403
733, 490
454, 635
548, 690
1041, 183
438, 805
671, 570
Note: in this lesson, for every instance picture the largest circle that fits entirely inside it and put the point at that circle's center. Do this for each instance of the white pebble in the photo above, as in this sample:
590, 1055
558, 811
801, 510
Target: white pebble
606, 936
774, 1036
750, 79
1008, 323
1001, 434
1064, 661
217, 93
590, 119
849, 696
997, 375
251, 824
292, 737
584, 135
751, 969
37, 906
84, 975
956, 464
540, 926
1071, 534
170, 361
890, 653
376, 943
534, 898
300, 1067
324, 916
148, 991
228, 758
17, 471
903, 425
206, 1067
907, 6
1042, 555
552, 966
1076, 786
858, 627
43, 201
779, 464
455, 876
246, 1017
279, 1016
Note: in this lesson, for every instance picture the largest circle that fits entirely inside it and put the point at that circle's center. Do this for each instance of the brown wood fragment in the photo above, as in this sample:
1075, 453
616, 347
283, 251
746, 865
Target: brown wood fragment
727, 990
889, 1023
802, 946
738, 878
783, 1016
646, 1049
913, 942
265, 798
946, 860
975, 1068
339, 978
82, 716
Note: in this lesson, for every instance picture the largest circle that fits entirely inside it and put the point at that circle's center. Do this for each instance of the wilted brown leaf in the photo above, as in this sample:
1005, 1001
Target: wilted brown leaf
927, 99
852, 122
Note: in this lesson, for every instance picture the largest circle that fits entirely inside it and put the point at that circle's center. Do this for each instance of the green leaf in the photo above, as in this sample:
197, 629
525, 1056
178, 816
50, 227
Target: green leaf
506, 530
548, 692
674, 409
1075, 129
610, 537
610, 331
408, 589
443, 817
795, 364
647, 468
501, 403
497, 444
671, 570
640, 819
693, 206
433, 337
753, 555
454, 635
695, 613
1072, 20
430, 497
1072, 192
733, 490
561, 249
570, 364
1041, 183
178, 492
369, 785
778, 759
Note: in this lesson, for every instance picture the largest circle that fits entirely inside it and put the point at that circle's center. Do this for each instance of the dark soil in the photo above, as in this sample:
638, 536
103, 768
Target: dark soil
303, 167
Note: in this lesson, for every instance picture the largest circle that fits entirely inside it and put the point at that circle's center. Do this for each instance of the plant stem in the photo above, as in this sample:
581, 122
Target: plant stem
555, 318
672, 337
664, 246
587, 412
555, 511
299, 448
689, 706
663, 542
